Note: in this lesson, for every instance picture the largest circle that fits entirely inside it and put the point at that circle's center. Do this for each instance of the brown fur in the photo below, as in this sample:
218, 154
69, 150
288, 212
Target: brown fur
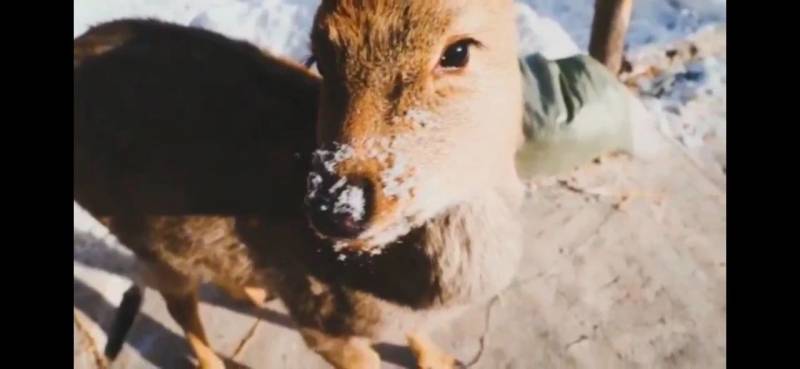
379, 64
172, 123
221, 199
176, 120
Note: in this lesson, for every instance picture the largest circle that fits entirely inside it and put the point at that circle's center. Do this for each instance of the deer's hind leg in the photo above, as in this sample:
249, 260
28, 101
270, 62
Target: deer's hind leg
180, 294
258, 296
343, 352
429, 355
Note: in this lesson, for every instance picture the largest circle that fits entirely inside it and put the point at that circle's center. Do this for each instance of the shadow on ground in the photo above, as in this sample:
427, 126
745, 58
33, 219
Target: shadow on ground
115, 261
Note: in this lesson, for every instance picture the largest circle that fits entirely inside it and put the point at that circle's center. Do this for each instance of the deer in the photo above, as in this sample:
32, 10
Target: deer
378, 200
173, 124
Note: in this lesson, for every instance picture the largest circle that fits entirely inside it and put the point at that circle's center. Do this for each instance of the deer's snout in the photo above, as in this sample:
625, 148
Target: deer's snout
339, 207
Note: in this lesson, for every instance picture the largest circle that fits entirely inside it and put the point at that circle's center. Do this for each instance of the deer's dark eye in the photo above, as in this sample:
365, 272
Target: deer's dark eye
457, 54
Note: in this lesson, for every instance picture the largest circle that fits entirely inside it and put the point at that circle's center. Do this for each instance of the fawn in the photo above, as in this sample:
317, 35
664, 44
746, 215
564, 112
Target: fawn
172, 124
411, 195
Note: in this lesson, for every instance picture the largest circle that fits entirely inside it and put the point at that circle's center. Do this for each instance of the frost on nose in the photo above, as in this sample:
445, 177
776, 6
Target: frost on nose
314, 183
329, 159
343, 198
350, 202
325, 162
395, 174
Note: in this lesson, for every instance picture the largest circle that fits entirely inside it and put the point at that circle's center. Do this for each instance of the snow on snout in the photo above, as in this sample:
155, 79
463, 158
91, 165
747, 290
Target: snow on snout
419, 118
331, 158
314, 181
423, 118
351, 202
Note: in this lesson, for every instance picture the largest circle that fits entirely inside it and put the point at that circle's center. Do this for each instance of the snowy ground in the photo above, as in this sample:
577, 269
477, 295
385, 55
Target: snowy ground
282, 25
664, 306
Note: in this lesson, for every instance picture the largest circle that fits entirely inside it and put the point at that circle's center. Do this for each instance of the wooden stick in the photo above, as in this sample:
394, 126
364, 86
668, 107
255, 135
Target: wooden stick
610, 24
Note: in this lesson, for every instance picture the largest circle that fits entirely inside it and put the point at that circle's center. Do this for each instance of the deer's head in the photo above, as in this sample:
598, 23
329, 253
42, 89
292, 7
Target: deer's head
420, 110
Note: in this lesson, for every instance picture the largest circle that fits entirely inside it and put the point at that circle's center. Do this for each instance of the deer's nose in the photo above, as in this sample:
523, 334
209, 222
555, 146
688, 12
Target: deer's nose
339, 207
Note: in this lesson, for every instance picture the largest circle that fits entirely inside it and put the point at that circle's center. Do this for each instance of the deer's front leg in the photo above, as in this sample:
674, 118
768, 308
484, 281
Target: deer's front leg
429, 355
343, 352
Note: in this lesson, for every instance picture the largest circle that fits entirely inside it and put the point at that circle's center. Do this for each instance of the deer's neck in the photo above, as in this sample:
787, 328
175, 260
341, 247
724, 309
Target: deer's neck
468, 253
475, 247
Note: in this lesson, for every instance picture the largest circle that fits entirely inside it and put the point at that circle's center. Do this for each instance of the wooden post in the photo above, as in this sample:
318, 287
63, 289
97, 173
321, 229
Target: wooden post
610, 24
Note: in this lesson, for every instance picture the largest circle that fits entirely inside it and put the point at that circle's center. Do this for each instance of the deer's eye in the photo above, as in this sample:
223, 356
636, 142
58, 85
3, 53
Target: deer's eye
456, 55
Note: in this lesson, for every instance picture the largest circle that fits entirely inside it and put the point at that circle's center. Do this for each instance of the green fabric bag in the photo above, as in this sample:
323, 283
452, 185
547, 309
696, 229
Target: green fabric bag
575, 110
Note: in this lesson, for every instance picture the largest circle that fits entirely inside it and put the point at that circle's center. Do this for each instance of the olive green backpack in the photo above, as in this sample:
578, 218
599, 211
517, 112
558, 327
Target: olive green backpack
575, 110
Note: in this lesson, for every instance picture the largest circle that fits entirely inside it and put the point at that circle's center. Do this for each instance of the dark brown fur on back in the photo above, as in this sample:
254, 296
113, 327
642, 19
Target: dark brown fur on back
176, 120
176, 128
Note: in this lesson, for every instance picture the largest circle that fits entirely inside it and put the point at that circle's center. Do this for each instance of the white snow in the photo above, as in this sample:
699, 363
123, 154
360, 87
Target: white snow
652, 21
392, 177
542, 34
689, 96
331, 158
350, 201
314, 181
281, 26
340, 246
337, 185
555, 27
423, 118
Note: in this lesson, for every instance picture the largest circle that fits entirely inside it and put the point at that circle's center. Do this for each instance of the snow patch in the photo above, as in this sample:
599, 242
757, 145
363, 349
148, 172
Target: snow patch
652, 21
557, 28
314, 181
395, 179
423, 118
351, 201
336, 186
331, 158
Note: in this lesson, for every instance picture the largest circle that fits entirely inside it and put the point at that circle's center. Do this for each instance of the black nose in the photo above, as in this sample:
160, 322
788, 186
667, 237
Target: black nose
338, 207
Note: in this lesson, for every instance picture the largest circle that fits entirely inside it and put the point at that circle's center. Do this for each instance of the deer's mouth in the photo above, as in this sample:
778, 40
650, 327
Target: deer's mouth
373, 241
